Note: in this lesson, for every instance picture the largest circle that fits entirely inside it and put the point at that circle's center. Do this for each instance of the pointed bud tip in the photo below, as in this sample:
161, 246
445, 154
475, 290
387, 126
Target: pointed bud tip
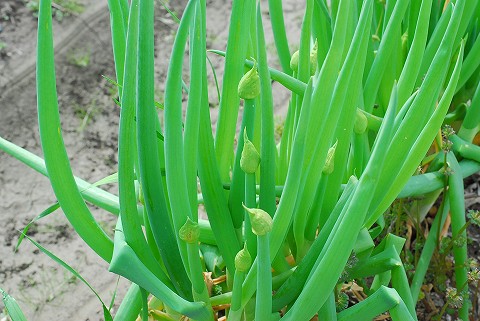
260, 220
243, 260
250, 158
249, 85
190, 231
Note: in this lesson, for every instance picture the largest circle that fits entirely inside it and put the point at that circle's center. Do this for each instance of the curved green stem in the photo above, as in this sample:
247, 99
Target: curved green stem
56, 158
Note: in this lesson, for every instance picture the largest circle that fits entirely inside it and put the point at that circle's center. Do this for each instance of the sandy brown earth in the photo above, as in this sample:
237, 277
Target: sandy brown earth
89, 120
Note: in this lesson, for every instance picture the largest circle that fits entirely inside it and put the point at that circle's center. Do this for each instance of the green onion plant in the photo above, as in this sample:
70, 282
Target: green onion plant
289, 224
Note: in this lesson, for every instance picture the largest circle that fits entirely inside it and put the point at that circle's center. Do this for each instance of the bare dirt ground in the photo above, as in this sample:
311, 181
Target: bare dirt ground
89, 120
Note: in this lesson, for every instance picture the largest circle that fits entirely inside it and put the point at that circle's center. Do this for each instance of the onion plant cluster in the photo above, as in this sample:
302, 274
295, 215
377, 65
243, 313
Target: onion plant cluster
291, 224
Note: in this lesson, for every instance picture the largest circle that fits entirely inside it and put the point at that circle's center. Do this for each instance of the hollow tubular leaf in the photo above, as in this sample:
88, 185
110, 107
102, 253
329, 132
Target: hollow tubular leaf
118, 19
279, 34
127, 264
417, 150
457, 213
329, 266
56, 158
268, 150
229, 102
412, 65
174, 145
384, 53
148, 154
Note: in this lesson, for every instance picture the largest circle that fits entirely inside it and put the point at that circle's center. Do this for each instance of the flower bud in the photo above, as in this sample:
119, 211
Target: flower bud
313, 58
260, 220
190, 231
243, 260
249, 85
141, 198
361, 123
294, 61
250, 157
329, 162
405, 45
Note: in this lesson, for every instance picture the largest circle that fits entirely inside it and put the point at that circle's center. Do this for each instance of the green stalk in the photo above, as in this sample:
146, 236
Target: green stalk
429, 182
419, 30
251, 202
304, 72
149, 165
471, 122
413, 18
434, 41
229, 103
322, 29
420, 141
261, 226
268, 150
189, 233
376, 264
127, 264
236, 309
287, 81
282, 221
174, 144
343, 135
263, 308
237, 190
295, 283
249, 163
429, 247
118, 27
457, 213
383, 300
192, 122
399, 276
285, 148
303, 65
328, 310
130, 306
383, 54
466, 149
470, 64
324, 138
315, 217
212, 188
279, 34
144, 311
125, 7
324, 276
56, 158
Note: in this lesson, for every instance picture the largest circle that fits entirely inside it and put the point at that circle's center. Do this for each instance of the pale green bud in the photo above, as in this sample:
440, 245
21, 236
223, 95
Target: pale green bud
405, 45
260, 220
313, 58
294, 61
141, 198
249, 85
250, 157
329, 162
243, 260
361, 123
190, 231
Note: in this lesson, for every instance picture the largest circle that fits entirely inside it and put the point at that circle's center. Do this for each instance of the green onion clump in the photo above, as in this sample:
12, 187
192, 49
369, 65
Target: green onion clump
294, 223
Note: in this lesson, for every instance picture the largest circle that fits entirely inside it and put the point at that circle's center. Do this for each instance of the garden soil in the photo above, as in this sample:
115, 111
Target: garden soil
89, 118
